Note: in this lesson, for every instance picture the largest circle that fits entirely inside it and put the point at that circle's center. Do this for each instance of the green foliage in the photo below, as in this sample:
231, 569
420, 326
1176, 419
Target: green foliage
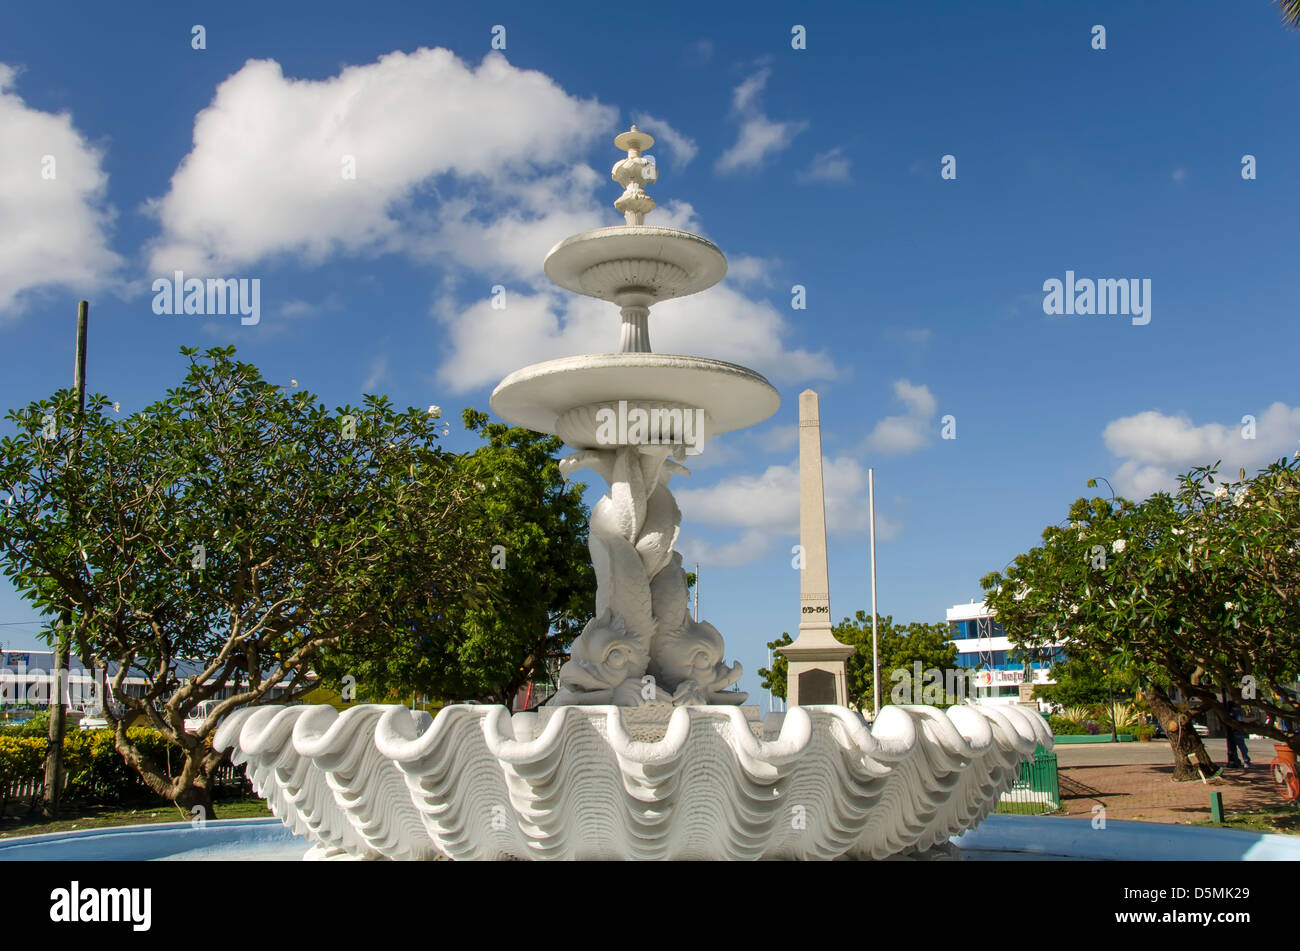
1194, 590
21, 757
531, 528
1083, 683
38, 724
236, 524
1125, 717
1062, 726
900, 646
93, 766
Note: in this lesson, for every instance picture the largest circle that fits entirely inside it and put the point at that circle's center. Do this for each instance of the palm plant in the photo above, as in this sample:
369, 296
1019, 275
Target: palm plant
1290, 12
1126, 717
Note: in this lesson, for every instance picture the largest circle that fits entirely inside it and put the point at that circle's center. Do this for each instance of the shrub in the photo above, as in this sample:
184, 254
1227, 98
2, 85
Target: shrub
1126, 716
94, 768
1063, 727
1080, 715
21, 757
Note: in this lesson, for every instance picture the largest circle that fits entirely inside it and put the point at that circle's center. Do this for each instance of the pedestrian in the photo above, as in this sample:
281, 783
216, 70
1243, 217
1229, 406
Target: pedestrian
1236, 740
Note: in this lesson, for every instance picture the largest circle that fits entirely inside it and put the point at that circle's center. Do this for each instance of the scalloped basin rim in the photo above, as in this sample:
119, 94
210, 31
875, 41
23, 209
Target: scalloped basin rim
477, 783
733, 396
701, 260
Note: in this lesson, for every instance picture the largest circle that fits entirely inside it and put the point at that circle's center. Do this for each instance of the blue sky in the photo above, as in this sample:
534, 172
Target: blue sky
819, 167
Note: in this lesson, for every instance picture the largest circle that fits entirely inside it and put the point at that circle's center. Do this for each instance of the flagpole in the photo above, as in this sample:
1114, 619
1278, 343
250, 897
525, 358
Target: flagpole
875, 641
697, 592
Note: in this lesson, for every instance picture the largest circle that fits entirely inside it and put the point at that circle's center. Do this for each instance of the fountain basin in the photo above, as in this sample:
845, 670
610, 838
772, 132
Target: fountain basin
731, 396
475, 783
999, 838
657, 263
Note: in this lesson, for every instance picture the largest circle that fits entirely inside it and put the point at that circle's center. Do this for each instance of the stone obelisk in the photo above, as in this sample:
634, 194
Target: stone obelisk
817, 672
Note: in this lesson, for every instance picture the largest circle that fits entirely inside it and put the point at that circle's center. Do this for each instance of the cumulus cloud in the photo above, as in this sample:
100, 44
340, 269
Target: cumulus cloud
1155, 448
487, 344
749, 547
679, 144
833, 167
765, 508
759, 135
483, 184
270, 172
747, 269
769, 501
52, 203
910, 431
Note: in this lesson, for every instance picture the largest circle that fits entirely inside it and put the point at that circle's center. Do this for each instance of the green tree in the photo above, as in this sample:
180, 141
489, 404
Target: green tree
901, 647
531, 527
224, 536
1192, 593
1083, 683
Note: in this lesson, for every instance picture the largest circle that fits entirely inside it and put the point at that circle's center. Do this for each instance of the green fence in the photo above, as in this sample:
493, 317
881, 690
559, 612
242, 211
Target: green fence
1037, 790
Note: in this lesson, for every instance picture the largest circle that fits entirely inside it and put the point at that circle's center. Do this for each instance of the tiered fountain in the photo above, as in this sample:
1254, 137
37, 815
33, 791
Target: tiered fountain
644, 752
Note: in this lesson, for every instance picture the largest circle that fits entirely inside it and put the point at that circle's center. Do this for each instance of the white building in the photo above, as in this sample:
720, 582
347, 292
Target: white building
983, 647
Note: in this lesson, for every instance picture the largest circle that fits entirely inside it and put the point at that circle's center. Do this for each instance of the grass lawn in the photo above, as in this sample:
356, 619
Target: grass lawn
95, 817
1280, 819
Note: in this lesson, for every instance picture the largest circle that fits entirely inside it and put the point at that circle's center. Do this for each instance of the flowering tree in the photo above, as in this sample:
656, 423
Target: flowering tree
1194, 591
217, 542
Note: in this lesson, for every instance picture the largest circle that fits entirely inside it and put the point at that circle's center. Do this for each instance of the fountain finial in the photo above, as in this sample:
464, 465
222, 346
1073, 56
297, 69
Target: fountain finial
631, 172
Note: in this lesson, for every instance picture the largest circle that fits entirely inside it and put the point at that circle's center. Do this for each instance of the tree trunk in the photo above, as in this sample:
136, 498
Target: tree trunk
57, 729
189, 788
188, 796
1191, 761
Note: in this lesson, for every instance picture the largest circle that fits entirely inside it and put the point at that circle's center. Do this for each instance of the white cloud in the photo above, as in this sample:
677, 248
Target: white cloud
376, 374
55, 229
778, 438
1154, 449
494, 156
682, 146
765, 507
266, 174
759, 136
747, 269
749, 547
1180, 176
486, 344
831, 167
908, 432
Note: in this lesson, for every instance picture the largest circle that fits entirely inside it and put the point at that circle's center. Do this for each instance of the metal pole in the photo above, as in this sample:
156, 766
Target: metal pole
54, 749
875, 640
697, 592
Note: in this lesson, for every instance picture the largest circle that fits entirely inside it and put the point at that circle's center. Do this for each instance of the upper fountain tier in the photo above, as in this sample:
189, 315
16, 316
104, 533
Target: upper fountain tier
635, 266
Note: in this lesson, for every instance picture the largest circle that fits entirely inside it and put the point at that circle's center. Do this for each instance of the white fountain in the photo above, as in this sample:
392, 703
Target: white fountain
644, 752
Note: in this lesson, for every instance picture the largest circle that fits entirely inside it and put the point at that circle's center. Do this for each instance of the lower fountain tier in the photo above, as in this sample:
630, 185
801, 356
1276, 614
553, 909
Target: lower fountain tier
476, 783
732, 397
